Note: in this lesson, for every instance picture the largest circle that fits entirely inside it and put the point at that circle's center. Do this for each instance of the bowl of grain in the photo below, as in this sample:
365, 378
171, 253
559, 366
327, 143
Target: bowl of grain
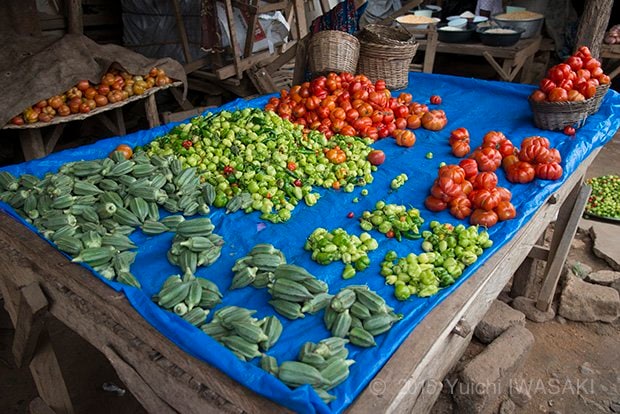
499, 35
412, 23
529, 21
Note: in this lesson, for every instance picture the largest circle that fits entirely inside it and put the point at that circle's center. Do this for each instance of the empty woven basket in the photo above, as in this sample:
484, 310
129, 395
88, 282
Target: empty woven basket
333, 51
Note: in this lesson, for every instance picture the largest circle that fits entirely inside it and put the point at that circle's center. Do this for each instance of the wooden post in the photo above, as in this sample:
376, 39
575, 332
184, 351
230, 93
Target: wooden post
32, 144
48, 377
150, 107
75, 18
30, 320
181, 30
593, 24
566, 225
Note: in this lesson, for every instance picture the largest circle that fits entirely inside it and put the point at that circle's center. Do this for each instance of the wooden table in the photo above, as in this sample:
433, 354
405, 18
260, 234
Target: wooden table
612, 53
35, 145
515, 58
36, 280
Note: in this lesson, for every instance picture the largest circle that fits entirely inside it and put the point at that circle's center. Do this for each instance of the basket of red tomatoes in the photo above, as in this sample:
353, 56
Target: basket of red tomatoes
570, 92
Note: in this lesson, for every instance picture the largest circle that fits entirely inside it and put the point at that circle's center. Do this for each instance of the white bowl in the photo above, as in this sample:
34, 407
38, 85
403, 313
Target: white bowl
480, 19
426, 13
460, 23
449, 18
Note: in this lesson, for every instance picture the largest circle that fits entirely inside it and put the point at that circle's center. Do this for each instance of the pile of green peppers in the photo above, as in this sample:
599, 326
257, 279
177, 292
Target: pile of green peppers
448, 250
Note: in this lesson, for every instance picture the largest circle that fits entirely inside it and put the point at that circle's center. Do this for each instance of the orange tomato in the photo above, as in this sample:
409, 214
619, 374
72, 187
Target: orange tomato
125, 149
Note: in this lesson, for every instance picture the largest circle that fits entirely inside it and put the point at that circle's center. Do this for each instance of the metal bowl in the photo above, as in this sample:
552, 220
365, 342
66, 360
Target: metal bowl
454, 36
499, 39
531, 27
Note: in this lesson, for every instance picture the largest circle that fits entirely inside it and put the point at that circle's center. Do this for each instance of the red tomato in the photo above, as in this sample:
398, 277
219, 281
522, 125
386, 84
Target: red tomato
435, 204
520, 172
483, 218
509, 160
597, 72
604, 80
569, 130
546, 85
380, 85
454, 172
372, 133
401, 123
348, 130
459, 134
557, 95
450, 187
414, 122
584, 73
493, 138
352, 115
337, 113
535, 140
460, 207
506, 148
388, 116
538, 96
566, 84
549, 171
488, 159
401, 111
418, 108
591, 64
434, 120
504, 194
467, 187
405, 97
485, 180
484, 199
460, 149
575, 63
574, 95
470, 167
438, 193
505, 211
299, 111
376, 157
435, 99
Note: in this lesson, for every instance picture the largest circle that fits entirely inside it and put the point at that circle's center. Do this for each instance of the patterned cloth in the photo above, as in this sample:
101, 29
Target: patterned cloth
493, 6
343, 17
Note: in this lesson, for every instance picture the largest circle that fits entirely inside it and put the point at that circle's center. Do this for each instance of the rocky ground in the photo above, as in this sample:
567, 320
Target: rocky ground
570, 364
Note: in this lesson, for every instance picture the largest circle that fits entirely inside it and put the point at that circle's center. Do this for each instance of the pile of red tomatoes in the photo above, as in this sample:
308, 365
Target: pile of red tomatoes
535, 159
468, 192
575, 79
352, 105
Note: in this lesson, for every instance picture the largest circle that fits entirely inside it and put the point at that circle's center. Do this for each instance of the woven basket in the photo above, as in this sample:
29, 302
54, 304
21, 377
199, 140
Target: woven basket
387, 62
385, 35
601, 90
333, 51
557, 115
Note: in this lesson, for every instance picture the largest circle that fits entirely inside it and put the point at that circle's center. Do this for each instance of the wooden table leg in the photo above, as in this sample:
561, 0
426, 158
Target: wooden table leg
48, 378
30, 320
522, 278
31, 141
119, 121
38, 406
565, 229
150, 107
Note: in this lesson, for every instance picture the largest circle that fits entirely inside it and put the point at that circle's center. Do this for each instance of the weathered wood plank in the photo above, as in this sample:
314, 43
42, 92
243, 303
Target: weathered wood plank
31, 141
30, 321
592, 25
150, 108
75, 19
48, 378
38, 406
568, 223
181, 31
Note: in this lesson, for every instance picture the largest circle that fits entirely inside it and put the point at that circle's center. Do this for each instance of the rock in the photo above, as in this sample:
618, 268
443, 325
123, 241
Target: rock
603, 277
519, 393
528, 307
615, 407
550, 403
578, 244
585, 225
486, 377
505, 297
577, 268
585, 302
507, 407
586, 368
616, 285
605, 243
561, 320
499, 317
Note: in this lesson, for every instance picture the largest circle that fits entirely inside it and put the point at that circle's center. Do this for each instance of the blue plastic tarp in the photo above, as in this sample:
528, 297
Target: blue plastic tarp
479, 106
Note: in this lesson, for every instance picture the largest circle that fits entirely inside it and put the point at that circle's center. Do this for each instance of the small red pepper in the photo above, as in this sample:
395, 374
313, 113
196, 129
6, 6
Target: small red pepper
350, 215
390, 234
229, 169
291, 166
297, 183
187, 144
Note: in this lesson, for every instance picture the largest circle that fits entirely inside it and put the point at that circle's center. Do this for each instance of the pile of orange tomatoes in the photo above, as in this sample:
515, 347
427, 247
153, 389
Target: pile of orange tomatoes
352, 105
115, 86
